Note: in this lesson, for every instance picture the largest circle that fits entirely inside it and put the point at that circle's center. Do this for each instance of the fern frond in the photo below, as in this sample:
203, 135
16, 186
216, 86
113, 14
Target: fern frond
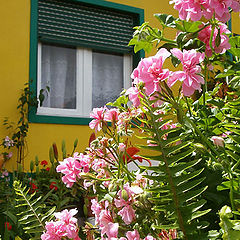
178, 177
33, 213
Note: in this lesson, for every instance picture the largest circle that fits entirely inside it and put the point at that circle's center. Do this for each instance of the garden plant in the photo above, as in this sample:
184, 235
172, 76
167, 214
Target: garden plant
186, 184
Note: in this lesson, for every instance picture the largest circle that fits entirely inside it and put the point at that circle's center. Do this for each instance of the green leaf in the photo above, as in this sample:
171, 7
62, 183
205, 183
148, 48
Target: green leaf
191, 26
186, 177
166, 20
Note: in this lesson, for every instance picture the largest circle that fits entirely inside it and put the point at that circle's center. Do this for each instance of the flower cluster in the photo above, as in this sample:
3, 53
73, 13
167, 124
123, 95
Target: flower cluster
101, 115
105, 215
205, 35
65, 226
190, 77
8, 142
196, 9
72, 168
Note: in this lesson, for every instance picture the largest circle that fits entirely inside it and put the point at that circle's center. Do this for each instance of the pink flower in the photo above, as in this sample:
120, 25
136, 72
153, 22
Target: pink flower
8, 142
84, 161
192, 9
9, 155
149, 71
196, 9
221, 8
111, 115
111, 230
121, 147
96, 209
205, 35
98, 115
71, 168
218, 141
127, 213
149, 237
224, 135
67, 216
134, 94
190, 75
55, 231
64, 226
133, 235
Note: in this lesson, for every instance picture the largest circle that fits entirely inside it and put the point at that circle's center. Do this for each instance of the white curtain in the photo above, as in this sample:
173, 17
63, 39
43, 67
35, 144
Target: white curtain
107, 78
58, 71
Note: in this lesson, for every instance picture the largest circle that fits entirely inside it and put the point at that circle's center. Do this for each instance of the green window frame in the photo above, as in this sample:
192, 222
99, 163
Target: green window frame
34, 36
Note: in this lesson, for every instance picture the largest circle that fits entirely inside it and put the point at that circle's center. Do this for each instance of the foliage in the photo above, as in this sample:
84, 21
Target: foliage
19, 130
191, 135
34, 216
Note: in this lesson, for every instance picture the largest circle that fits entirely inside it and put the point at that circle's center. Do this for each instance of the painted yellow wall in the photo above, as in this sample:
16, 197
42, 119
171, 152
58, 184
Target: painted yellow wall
14, 72
235, 23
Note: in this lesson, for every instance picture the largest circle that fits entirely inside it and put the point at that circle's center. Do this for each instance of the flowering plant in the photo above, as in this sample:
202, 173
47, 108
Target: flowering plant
188, 124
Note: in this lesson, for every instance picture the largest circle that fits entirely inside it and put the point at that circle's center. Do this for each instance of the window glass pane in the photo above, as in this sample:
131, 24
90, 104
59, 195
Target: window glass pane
107, 78
58, 71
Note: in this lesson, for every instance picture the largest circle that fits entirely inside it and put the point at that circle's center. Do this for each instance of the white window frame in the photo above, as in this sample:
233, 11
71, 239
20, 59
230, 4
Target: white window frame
83, 84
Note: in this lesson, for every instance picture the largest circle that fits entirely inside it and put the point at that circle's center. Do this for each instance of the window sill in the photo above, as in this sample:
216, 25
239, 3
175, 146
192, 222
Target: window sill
33, 118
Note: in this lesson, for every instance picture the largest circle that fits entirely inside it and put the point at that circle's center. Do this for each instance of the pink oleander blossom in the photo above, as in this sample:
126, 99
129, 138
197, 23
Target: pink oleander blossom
190, 78
149, 237
67, 216
134, 94
111, 115
149, 71
196, 9
98, 115
205, 35
192, 9
72, 167
127, 213
111, 230
133, 235
64, 226
221, 8
96, 210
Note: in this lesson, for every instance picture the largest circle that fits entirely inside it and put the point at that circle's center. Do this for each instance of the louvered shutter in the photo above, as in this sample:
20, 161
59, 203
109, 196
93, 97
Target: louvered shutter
79, 24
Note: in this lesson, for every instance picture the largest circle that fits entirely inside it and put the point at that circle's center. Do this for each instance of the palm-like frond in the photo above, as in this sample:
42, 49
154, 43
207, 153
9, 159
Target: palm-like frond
33, 213
180, 184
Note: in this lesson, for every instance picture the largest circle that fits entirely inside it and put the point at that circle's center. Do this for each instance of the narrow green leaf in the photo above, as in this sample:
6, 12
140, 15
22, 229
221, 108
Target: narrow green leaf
186, 177
186, 197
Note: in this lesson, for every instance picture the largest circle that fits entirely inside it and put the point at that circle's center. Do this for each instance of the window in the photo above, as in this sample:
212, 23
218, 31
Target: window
79, 50
80, 79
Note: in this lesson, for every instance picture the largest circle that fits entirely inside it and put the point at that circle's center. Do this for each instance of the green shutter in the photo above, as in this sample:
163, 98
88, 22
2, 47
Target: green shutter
81, 24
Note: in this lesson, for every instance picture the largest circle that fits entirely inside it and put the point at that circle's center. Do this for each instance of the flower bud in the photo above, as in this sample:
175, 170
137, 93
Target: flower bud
36, 161
124, 195
75, 143
31, 166
51, 155
64, 152
112, 187
55, 151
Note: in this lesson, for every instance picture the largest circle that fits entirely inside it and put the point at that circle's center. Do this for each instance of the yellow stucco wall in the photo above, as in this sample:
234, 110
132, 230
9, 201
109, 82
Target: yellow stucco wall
235, 23
14, 72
